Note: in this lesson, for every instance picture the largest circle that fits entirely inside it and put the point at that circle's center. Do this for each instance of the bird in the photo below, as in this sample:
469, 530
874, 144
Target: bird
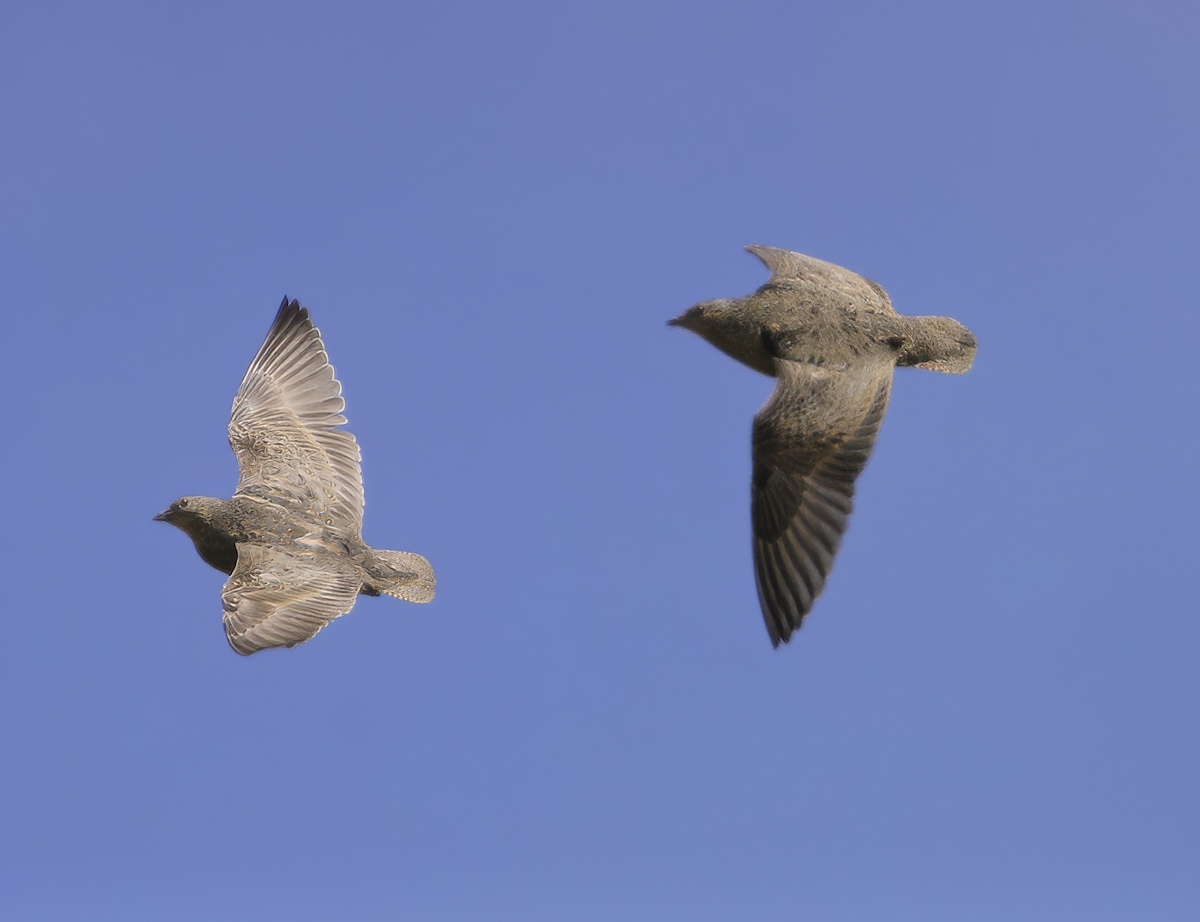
290, 538
831, 340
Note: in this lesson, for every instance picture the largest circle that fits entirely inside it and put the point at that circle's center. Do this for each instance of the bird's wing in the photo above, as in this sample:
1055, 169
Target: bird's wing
811, 440
283, 427
785, 265
277, 598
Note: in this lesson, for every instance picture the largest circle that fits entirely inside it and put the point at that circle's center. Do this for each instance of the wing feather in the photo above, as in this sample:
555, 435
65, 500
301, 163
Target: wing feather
282, 427
280, 598
786, 265
811, 441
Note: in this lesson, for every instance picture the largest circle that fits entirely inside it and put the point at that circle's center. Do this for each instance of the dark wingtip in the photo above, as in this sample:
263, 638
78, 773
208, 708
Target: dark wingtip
289, 309
779, 627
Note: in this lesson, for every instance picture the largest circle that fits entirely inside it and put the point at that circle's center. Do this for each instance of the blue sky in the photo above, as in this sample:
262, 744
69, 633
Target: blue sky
491, 211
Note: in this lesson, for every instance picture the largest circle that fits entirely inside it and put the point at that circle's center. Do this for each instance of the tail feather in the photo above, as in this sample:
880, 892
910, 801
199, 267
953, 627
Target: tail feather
401, 574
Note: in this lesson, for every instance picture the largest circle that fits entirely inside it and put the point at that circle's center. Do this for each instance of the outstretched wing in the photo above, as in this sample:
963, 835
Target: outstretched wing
811, 440
282, 428
277, 598
786, 265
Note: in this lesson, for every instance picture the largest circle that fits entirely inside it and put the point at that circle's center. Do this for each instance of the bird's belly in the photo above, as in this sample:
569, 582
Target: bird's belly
217, 550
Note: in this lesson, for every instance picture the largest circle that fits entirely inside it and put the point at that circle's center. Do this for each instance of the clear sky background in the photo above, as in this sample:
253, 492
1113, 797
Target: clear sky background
492, 210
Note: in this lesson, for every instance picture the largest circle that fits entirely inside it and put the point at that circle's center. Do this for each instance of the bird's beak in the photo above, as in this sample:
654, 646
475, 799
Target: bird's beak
689, 318
164, 516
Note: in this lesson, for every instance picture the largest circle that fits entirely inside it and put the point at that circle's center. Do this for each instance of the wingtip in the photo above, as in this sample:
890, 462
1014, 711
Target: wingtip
782, 263
762, 251
289, 309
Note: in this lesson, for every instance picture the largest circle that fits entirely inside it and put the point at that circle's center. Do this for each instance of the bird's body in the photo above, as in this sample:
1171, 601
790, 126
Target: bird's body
831, 340
290, 538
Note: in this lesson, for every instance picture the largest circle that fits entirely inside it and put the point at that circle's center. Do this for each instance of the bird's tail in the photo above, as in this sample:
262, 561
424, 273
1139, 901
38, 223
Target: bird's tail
399, 573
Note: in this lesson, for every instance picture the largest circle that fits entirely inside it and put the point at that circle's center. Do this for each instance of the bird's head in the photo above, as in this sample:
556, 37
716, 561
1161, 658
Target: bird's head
188, 511
731, 327
703, 317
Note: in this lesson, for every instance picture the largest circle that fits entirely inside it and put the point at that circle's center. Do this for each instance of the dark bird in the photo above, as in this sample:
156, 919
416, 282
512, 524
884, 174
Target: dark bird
291, 537
831, 340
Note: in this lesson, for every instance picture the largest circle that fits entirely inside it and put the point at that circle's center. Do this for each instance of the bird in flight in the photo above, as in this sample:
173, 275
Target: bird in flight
291, 536
831, 340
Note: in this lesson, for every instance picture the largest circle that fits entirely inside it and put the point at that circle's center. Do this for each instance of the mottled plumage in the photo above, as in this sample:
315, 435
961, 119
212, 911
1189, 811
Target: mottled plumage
290, 538
831, 340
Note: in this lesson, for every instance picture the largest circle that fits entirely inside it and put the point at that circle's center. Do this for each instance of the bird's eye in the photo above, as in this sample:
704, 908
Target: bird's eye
183, 504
